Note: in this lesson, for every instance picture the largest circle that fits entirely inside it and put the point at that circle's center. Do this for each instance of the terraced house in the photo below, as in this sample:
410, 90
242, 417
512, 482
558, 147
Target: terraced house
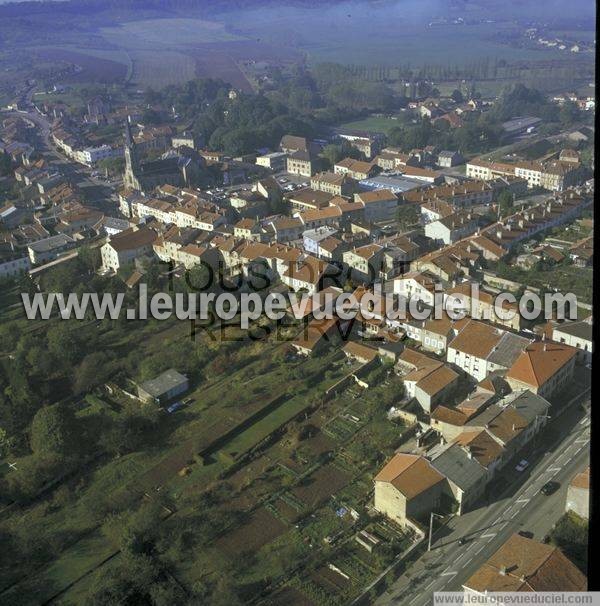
543, 367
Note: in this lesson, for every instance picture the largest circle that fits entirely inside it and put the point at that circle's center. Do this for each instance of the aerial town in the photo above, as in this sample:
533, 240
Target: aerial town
309, 460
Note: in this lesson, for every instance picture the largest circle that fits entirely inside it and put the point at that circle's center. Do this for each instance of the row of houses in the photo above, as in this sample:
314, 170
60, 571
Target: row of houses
554, 175
76, 149
460, 468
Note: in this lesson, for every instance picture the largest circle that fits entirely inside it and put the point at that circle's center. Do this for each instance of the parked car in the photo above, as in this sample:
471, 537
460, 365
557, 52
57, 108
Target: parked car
549, 488
523, 465
174, 407
526, 533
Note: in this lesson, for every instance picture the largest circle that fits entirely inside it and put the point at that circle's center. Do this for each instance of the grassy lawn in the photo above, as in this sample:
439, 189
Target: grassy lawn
86, 555
68, 523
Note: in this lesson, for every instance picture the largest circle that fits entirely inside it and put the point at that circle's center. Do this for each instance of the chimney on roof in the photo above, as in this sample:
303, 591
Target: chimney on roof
514, 427
502, 571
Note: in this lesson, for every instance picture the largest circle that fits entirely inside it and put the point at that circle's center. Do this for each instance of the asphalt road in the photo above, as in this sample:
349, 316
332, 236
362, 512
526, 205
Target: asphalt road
521, 508
97, 192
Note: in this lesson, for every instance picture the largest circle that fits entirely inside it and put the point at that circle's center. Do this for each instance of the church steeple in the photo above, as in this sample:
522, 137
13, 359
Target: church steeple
131, 159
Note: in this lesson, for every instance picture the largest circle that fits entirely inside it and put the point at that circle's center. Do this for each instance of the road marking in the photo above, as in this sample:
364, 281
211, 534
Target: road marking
514, 514
415, 599
523, 500
430, 584
480, 548
449, 574
553, 469
488, 536
581, 441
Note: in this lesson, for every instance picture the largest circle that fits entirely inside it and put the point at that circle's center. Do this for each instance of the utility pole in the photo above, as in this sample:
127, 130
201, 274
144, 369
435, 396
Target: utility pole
431, 528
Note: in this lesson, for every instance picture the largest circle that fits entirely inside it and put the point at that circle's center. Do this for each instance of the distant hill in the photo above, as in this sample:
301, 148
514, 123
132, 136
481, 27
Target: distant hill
27, 7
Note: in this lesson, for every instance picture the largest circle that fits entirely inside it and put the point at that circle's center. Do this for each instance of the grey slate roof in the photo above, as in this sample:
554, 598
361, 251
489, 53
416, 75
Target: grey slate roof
51, 243
508, 349
580, 329
163, 383
454, 463
528, 404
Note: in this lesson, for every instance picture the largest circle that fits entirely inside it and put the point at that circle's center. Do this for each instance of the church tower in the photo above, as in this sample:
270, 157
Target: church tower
131, 161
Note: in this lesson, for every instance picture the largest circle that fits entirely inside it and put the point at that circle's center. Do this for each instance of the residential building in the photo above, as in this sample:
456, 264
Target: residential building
398, 254
480, 349
466, 476
530, 221
543, 367
327, 216
316, 334
49, 249
357, 169
312, 239
365, 262
555, 175
13, 265
127, 246
287, 228
369, 146
308, 199
290, 144
379, 205
452, 228
426, 379
437, 334
307, 274
576, 334
488, 170
435, 210
336, 184
582, 252
522, 564
457, 195
407, 489
447, 158
416, 285
249, 229
185, 139
481, 305
421, 174
301, 163
276, 161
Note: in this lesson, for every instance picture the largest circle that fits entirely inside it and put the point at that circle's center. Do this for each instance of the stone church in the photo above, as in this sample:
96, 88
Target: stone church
176, 169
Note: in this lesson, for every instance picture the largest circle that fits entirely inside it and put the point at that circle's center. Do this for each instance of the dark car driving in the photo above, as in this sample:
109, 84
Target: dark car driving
550, 487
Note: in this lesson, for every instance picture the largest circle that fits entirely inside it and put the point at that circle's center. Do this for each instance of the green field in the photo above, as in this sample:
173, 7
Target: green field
166, 33
156, 70
329, 33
